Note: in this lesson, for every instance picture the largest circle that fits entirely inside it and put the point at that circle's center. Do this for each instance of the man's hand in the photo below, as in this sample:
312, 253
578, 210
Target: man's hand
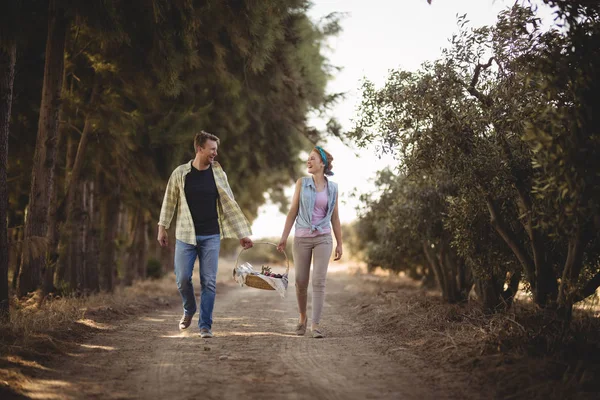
246, 243
163, 238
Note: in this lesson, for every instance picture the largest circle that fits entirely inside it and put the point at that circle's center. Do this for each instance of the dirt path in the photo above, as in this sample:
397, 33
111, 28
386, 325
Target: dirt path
254, 355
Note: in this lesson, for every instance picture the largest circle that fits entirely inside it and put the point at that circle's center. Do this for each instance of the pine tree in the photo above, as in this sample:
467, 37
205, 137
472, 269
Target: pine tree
8, 50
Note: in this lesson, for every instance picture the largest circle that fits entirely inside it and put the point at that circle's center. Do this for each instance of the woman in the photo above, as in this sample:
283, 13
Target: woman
314, 208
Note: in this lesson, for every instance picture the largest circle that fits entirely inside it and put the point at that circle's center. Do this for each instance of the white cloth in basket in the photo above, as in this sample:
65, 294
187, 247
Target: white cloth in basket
245, 269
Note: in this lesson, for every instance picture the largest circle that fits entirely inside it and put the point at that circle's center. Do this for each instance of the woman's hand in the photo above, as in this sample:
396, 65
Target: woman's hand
282, 244
338, 252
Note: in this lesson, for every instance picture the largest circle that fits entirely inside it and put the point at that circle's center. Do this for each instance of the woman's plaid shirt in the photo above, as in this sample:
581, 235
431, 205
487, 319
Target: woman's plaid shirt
232, 222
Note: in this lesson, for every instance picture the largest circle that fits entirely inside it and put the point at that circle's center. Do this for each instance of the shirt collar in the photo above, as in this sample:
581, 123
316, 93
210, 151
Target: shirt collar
188, 166
310, 182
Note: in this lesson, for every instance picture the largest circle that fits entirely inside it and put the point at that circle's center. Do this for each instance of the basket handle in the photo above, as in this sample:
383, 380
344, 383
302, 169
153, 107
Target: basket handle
287, 270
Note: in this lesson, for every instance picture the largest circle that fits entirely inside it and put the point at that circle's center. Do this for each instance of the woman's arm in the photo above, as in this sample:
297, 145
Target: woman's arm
291, 217
337, 231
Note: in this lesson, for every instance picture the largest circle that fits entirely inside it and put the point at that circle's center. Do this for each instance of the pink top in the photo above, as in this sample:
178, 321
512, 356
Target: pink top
318, 214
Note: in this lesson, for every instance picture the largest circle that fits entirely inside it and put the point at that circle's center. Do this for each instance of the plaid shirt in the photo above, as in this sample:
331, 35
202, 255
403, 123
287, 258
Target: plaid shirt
232, 222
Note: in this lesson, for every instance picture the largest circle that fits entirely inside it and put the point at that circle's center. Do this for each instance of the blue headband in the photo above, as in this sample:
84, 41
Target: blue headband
324, 158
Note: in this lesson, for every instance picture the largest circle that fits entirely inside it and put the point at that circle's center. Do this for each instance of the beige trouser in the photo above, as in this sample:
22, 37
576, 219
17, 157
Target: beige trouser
319, 249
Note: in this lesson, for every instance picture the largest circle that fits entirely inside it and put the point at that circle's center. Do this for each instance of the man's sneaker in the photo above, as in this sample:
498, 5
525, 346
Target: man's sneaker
185, 322
205, 333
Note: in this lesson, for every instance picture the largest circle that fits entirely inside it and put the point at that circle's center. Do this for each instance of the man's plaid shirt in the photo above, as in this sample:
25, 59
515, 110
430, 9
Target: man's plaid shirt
232, 222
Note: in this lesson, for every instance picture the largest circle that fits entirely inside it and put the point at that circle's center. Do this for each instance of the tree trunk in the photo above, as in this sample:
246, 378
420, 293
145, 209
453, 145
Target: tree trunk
54, 223
492, 294
138, 250
17, 261
144, 246
71, 210
545, 288
52, 250
465, 279
110, 223
537, 270
571, 270
91, 240
75, 232
130, 265
42, 177
73, 245
62, 272
437, 270
447, 262
8, 58
141, 246
428, 279
124, 230
489, 289
75, 170
166, 254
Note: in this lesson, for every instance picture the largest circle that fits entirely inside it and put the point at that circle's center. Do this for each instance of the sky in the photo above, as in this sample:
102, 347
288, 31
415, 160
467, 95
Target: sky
377, 36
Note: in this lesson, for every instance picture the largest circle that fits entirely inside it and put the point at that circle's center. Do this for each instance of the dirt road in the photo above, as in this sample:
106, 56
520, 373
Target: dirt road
254, 355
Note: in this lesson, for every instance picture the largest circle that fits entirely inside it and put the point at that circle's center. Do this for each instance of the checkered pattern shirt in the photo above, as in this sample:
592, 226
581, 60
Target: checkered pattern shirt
232, 222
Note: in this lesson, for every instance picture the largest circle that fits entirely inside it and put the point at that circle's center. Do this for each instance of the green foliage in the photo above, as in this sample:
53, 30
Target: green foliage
351, 242
143, 78
498, 151
154, 269
250, 76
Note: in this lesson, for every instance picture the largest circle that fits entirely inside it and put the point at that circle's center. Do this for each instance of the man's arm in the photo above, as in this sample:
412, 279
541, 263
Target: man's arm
168, 209
232, 211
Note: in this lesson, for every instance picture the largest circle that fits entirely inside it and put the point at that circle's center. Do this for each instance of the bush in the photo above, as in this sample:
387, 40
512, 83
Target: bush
154, 269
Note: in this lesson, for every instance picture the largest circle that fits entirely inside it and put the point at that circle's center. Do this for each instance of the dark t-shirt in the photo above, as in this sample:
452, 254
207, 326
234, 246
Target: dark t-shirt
201, 195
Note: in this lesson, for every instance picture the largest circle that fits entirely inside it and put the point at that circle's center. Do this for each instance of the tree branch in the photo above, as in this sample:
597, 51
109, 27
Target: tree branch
484, 99
511, 241
76, 129
74, 176
572, 266
524, 200
435, 266
537, 245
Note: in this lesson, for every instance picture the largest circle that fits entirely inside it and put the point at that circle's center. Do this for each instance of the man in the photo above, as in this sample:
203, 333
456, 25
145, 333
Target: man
206, 212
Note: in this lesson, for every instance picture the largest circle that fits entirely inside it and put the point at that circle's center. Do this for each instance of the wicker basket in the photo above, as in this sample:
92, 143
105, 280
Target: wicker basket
256, 281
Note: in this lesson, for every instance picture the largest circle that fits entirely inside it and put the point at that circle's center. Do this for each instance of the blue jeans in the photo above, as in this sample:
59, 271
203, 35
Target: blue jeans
207, 250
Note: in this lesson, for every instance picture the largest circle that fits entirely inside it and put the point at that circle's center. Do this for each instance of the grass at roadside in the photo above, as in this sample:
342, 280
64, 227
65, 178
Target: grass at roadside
521, 354
518, 354
34, 327
37, 332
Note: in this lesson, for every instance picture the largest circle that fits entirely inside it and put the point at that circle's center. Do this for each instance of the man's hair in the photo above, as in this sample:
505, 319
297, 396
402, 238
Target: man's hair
202, 137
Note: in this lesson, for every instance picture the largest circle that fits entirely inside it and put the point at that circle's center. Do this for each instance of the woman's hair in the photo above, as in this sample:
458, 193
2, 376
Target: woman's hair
202, 137
327, 159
